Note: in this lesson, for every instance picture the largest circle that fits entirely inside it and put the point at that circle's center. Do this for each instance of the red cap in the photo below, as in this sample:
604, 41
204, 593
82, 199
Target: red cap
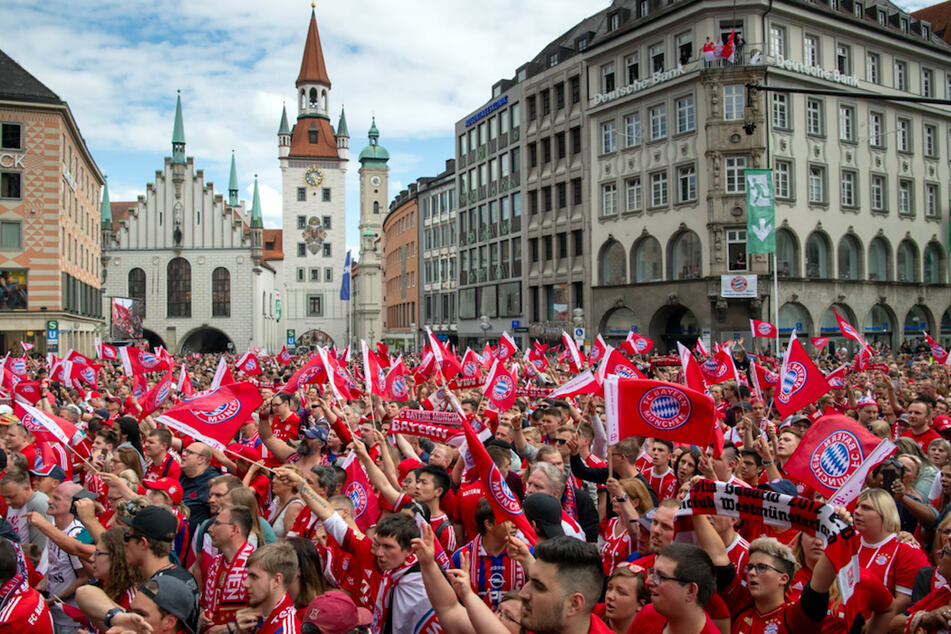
170, 485
406, 466
247, 451
335, 613
941, 424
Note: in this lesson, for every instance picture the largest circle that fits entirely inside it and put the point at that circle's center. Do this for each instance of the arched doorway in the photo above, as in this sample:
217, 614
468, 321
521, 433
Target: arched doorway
945, 328
673, 324
917, 321
793, 316
207, 340
153, 339
313, 339
879, 325
617, 323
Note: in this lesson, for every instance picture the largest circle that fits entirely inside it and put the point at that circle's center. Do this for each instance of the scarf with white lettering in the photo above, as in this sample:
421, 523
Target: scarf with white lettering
224, 590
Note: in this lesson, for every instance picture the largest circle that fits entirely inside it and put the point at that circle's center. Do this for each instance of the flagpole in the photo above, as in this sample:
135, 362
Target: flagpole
776, 297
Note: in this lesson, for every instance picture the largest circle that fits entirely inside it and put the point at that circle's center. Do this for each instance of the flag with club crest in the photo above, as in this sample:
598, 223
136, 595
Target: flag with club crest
597, 350
763, 329
249, 364
657, 409
800, 381
637, 344
215, 416
499, 387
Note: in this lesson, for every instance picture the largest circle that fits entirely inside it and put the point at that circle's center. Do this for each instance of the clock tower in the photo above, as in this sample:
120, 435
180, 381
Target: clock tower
374, 193
313, 160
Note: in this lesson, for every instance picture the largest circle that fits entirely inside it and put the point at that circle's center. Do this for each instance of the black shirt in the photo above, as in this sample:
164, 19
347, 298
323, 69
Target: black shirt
195, 496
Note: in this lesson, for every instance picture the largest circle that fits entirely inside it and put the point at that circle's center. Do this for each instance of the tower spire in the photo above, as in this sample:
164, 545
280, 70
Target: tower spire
105, 212
313, 70
178, 134
256, 221
233, 183
285, 128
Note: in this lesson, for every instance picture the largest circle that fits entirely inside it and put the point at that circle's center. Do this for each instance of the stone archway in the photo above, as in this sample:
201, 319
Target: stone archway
616, 323
672, 324
206, 340
153, 339
313, 339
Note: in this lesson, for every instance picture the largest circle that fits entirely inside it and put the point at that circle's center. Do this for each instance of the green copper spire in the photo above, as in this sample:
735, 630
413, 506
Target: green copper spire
178, 134
256, 222
374, 134
374, 155
342, 125
284, 129
105, 212
233, 184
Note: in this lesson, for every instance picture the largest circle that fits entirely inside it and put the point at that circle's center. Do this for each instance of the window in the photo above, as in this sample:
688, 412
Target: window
575, 96
609, 199
532, 114
814, 123
882, 18
905, 188
11, 136
325, 221
817, 184
633, 193
878, 192
780, 110
220, 292
686, 114
927, 82
553, 60
608, 137
559, 91
686, 184
782, 175
632, 129
301, 194
777, 41
810, 50
633, 68
903, 22
327, 249
735, 179
876, 129
684, 48
614, 21
325, 194
659, 189
901, 75
733, 102
873, 68
847, 188
301, 222
843, 59
315, 306
575, 145
607, 77
179, 290
300, 274
576, 191
657, 58
736, 249
312, 136
643, 8
658, 116
315, 275
858, 11
903, 135
546, 99
10, 238
931, 200
847, 123
930, 140
10, 185
328, 274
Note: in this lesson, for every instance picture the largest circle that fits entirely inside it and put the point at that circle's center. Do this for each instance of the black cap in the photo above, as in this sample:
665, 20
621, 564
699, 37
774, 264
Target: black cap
545, 511
174, 597
153, 522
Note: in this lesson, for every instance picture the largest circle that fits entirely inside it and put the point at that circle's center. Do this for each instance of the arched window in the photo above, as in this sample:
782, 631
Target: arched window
221, 292
323, 101
647, 261
793, 316
817, 256
850, 258
179, 299
787, 254
303, 100
137, 285
685, 256
878, 260
612, 263
907, 261
376, 206
934, 264
313, 98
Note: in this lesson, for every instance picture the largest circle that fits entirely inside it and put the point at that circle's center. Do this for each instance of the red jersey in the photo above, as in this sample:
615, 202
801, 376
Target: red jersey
168, 468
340, 567
491, 576
24, 610
595, 462
789, 618
442, 528
305, 524
895, 563
664, 485
924, 439
285, 429
650, 620
644, 463
467, 499
614, 548
283, 619
360, 546
224, 592
739, 552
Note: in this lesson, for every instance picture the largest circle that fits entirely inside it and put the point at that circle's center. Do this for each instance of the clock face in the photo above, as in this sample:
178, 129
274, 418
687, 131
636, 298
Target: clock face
313, 176
375, 181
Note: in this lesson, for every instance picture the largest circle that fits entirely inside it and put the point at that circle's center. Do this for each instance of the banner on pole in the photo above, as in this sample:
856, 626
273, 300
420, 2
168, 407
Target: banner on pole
760, 211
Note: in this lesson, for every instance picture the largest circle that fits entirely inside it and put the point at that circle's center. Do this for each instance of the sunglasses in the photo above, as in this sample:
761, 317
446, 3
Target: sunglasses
128, 537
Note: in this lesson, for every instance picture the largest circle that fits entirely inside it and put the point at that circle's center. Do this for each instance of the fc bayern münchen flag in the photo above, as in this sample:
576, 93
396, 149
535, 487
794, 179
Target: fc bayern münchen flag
345, 281
760, 212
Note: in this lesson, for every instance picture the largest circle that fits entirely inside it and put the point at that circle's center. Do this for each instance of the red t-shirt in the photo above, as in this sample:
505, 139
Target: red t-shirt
894, 562
467, 499
664, 485
789, 618
924, 439
26, 611
285, 429
169, 468
283, 619
650, 620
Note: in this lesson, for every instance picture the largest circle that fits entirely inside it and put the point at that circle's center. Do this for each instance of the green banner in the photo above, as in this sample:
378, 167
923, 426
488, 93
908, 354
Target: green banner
760, 212
277, 305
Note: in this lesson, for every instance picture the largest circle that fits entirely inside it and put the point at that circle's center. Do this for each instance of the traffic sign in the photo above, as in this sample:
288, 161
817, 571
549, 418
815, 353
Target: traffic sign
52, 335
291, 338
515, 324
579, 333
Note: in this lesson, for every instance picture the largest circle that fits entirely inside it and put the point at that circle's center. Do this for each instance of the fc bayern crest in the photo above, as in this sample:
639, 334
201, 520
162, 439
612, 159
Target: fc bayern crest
792, 381
714, 368
836, 458
148, 360
223, 412
398, 387
664, 408
502, 493
358, 495
252, 364
596, 354
18, 367
848, 330
502, 388
771, 377
639, 344
623, 371
162, 393
307, 375
381, 378
87, 374
764, 329
469, 369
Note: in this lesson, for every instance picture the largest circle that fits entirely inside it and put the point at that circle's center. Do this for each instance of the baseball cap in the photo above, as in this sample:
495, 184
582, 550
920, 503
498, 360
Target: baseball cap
941, 424
317, 432
153, 522
335, 613
783, 486
174, 597
170, 485
545, 511
51, 471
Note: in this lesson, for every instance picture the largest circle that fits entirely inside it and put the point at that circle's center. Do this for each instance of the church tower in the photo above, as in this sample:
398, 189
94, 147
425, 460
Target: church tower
374, 193
313, 163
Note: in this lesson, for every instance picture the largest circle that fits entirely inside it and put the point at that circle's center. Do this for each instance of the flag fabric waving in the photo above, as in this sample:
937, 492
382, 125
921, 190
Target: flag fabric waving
597, 351
135, 361
637, 344
249, 364
719, 367
311, 372
214, 417
396, 388
283, 357
366, 507
657, 409
800, 381
500, 386
373, 374
154, 398
848, 330
764, 329
105, 351
693, 377
574, 356
506, 348
937, 352
584, 383
836, 378
345, 279
819, 342
616, 364
45, 427
223, 374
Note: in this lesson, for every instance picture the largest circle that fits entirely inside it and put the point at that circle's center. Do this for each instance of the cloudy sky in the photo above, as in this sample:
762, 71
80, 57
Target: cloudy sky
418, 65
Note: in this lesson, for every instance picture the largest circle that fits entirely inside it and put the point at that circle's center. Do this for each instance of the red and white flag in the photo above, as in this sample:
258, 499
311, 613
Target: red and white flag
26, 346
719, 367
537, 361
937, 352
184, 383
249, 364
311, 372
471, 365
223, 374
357, 487
728, 50
836, 378
373, 374
500, 387
616, 364
835, 456
382, 353
637, 344
574, 356
215, 416
445, 360
800, 381
152, 400
45, 427
584, 383
105, 351
29, 391
819, 343
597, 351
693, 377
135, 361
861, 360
16, 365
657, 409
339, 382
283, 357
764, 329
506, 348
702, 349
425, 368
848, 330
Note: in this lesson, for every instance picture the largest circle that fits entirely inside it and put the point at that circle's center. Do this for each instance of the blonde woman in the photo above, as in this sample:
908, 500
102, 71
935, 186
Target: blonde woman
286, 505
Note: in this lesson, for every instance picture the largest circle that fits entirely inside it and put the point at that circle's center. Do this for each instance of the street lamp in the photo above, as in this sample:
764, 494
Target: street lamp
485, 326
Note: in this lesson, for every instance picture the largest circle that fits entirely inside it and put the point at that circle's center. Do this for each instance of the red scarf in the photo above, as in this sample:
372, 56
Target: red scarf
384, 596
224, 591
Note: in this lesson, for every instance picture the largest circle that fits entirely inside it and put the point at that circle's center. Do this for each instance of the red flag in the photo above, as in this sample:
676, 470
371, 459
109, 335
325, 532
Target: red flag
766, 377
835, 456
702, 349
719, 367
640, 407
135, 361
584, 383
26, 346
819, 343
16, 365
507, 347
539, 346
29, 391
848, 330
800, 381
311, 372
693, 377
45, 427
637, 344
154, 398
571, 348
939, 353
249, 364
836, 378
862, 357
223, 374
597, 351
339, 381
764, 329
615, 364
445, 360
357, 487
504, 503
500, 387
425, 369
727, 51
537, 361
470, 365
215, 416
184, 383
139, 385
487, 356
383, 353
283, 357
373, 374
